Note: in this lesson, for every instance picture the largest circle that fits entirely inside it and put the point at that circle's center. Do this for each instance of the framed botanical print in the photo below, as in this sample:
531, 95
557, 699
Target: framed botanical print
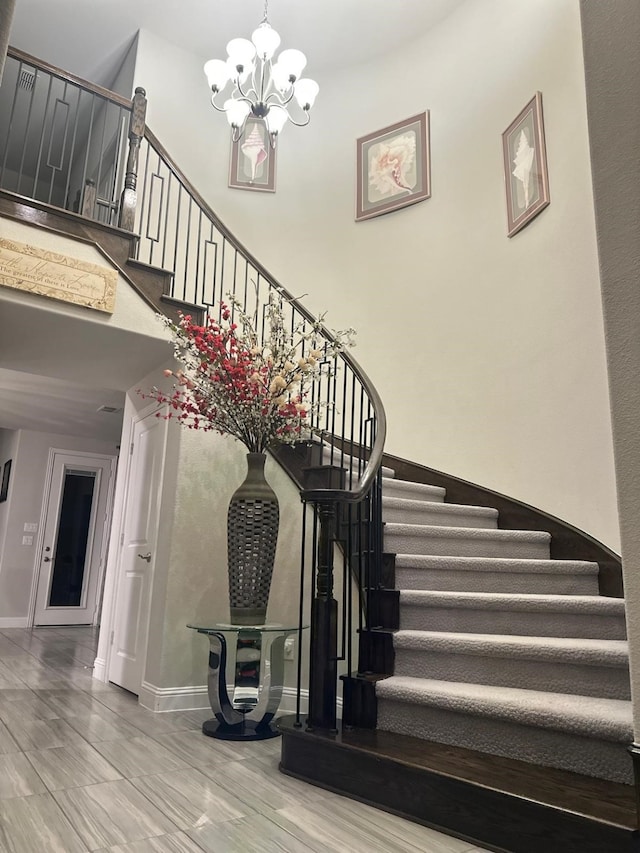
394, 168
525, 166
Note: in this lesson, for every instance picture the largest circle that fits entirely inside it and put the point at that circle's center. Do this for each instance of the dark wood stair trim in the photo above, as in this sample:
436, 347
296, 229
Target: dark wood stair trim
114, 244
23, 208
496, 803
567, 542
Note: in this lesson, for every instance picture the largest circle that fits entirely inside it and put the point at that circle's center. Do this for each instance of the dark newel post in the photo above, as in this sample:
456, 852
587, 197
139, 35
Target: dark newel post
323, 664
128, 198
324, 629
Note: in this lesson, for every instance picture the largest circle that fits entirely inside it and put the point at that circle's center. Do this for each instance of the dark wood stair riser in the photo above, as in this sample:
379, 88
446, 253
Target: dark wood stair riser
385, 608
116, 245
376, 653
481, 815
359, 705
388, 578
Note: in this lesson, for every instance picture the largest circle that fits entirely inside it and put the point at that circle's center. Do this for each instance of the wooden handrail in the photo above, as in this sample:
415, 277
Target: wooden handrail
41, 65
359, 492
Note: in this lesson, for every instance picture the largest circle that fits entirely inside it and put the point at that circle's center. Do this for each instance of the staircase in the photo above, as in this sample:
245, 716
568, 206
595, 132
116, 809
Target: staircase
500, 648
492, 700
499, 701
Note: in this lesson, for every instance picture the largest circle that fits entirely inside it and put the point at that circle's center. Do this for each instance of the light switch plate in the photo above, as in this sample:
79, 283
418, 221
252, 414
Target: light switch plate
30, 527
27, 540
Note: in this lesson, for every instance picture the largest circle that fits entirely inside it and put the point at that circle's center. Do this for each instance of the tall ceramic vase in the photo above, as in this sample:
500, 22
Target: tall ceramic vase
252, 533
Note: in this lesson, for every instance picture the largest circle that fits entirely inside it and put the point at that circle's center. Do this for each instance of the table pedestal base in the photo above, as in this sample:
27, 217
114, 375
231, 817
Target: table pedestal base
246, 730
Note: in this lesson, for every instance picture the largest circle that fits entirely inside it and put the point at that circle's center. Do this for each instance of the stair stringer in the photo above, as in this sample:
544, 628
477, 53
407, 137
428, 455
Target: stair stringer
118, 247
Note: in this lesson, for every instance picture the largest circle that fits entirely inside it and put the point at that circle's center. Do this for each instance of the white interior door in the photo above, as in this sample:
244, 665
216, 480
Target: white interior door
138, 552
75, 535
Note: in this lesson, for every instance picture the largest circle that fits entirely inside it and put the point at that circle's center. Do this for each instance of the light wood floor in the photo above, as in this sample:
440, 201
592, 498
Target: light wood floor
84, 768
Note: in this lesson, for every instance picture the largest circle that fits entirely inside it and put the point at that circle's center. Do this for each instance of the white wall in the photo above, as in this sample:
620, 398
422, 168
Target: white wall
488, 351
18, 562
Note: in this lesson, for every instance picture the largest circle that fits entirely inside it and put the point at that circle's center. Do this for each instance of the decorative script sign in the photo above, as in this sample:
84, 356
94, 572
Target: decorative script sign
57, 276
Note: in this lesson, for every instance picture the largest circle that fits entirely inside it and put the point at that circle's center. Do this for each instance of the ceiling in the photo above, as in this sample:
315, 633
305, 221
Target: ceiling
57, 369
90, 37
52, 377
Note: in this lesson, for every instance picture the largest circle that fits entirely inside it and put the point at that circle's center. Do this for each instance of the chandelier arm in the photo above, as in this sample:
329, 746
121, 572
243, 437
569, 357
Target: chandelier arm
282, 102
222, 109
215, 106
301, 123
246, 96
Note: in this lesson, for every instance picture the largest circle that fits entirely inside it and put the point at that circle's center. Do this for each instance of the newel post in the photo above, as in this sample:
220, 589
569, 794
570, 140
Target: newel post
128, 198
323, 664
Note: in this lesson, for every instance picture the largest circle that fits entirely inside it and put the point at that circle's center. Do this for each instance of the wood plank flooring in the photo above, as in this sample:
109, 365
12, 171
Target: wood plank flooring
84, 768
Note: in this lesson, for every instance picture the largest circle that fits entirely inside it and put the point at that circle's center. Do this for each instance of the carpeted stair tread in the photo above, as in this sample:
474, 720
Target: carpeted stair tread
464, 541
551, 664
583, 604
496, 574
502, 649
431, 513
588, 652
413, 491
587, 716
496, 564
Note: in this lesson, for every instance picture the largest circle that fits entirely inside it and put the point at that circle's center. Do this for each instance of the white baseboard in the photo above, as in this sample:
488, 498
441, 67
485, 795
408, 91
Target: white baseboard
14, 621
161, 699
100, 669
289, 701
195, 698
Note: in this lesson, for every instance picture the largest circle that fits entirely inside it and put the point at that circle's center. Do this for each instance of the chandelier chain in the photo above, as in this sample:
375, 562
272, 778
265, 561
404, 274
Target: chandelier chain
266, 7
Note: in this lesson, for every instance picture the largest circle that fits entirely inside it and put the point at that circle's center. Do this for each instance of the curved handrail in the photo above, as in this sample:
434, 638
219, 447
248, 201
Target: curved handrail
361, 488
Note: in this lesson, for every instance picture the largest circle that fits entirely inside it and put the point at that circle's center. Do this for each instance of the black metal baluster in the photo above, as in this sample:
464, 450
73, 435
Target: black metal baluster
71, 153
27, 128
83, 183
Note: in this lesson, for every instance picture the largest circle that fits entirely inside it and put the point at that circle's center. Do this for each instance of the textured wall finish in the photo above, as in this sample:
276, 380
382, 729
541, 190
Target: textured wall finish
611, 33
6, 16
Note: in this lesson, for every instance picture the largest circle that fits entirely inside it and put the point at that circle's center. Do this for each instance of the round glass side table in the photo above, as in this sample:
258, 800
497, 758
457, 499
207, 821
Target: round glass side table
246, 676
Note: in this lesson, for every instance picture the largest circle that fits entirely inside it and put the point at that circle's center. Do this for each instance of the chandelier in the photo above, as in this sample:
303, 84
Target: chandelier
261, 86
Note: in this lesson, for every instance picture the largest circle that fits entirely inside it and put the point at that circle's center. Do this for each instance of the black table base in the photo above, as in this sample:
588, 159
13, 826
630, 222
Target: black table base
246, 730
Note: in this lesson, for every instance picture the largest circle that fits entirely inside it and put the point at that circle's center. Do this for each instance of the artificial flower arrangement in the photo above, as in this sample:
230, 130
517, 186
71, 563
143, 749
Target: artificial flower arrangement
253, 387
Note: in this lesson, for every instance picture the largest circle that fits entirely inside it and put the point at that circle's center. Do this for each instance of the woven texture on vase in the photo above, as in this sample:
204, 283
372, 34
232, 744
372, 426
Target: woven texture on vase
252, 534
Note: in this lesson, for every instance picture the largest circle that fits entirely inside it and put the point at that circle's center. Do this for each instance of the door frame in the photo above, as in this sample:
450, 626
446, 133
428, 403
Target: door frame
84, 458
104, 653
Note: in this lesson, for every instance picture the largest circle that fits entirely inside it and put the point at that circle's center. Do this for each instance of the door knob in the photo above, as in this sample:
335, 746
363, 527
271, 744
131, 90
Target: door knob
47, 559
146, 557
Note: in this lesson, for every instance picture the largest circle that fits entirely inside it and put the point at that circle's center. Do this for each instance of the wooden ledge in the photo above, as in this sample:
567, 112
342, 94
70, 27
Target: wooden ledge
497, 803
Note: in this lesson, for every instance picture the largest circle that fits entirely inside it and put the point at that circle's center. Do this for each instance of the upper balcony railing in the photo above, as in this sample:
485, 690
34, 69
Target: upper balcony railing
74, 145
63, 141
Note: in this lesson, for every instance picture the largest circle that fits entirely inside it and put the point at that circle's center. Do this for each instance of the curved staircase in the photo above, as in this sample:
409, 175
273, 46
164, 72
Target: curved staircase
500, 683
